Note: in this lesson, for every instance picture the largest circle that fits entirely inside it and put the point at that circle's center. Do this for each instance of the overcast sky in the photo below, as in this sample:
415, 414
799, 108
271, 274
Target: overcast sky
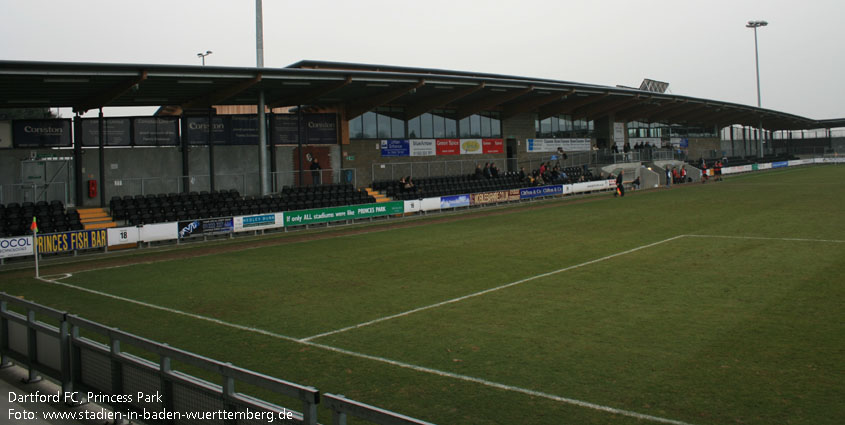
701, 48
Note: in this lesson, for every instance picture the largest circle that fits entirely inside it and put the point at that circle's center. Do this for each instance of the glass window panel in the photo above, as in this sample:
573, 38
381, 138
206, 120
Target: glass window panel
485, 126
397, 130
546, 127
496, 127
474, 126
451, 128
537, 127
369, 119
439, 126
464, 128
355, 129
426, 126
383, 126
591, 125
555, 125
414, 128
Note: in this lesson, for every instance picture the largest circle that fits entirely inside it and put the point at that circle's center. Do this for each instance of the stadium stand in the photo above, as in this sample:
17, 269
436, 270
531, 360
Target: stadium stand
15, 219
162, 208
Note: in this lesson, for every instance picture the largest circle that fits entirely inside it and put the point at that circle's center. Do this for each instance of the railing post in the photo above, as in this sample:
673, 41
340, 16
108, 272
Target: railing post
4, 335
164, 368
31, 347
75, 358
116, 366
228, 388
64, 355
338, 417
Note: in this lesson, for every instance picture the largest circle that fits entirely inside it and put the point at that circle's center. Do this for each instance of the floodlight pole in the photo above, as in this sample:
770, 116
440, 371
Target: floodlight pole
262, 118
203, 55
755, 25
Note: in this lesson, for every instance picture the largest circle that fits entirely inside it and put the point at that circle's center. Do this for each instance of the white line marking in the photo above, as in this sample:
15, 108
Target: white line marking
422, 369
486, 291
766, 239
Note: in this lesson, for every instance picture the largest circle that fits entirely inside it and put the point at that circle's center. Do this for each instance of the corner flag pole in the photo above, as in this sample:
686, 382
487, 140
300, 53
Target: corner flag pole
34, 228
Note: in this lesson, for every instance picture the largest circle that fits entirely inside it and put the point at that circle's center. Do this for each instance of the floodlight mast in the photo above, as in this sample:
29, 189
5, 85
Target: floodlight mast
203, 55
755, 25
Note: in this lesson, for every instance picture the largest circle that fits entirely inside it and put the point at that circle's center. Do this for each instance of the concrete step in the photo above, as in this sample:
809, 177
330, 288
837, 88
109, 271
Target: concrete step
95, 218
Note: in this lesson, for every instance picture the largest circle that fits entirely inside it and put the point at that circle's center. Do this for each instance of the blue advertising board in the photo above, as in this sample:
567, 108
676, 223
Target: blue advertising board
395, 147
780, 164
454, 201
71, 241
209, 226
536, 192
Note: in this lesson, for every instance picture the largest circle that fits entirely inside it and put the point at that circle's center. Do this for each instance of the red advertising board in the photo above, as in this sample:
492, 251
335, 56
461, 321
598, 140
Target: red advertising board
448, 146
493, 145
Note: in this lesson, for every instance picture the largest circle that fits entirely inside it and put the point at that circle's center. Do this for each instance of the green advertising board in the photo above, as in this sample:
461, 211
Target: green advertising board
754, 167
350, 212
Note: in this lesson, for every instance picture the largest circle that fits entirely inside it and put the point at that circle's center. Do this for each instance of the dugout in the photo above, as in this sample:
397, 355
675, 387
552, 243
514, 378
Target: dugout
363, 122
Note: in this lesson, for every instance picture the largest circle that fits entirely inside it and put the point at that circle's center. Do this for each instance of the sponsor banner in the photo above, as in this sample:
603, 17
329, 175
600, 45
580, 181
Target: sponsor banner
619, 132
684, 143
536, 192
766, 166
123, 235
793, 163
430, 204
41, 133
115, 132
155, 131
196, 129
258, 222
493, 145
553, 145
352, 212
454, 201
316, 129
16, 247
210, 226
72, 241
158, 232
243, 129
780, 164
448, 146
592, 186
494, 197
413, 206
830, 160
5, 134
423, 147
471, 146
395, 147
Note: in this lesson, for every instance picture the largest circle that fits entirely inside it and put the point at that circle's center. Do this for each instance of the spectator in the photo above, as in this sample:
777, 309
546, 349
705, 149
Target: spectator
684, 174
636, 183
409, 184
675, 175
494, 170
668, 177
522, 174
315, 171
487, 173
479, 174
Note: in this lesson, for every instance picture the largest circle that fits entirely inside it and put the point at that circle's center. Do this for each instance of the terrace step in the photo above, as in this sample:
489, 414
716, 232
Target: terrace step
378, 195
95, 218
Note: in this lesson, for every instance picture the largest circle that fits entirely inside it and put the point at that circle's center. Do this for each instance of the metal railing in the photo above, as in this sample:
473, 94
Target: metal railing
82, 364
34, 192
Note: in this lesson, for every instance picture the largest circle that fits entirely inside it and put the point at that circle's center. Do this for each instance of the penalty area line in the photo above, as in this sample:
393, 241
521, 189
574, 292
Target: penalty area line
422, 369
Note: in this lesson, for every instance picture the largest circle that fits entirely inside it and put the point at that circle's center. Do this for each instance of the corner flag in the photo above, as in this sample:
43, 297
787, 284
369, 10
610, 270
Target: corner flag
34, 226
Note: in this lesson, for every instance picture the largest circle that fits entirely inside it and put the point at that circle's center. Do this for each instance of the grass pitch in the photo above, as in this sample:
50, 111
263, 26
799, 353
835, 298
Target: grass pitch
718, 303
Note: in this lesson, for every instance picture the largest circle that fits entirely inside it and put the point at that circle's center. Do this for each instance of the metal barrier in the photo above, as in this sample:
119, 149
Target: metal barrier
343, 407
33, 192
82, 365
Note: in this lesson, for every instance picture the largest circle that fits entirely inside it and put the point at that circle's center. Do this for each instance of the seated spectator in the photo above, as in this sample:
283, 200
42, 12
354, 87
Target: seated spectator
479, 174
487, 173
409, 184
494, 170
402, 183
522, 175
636, 183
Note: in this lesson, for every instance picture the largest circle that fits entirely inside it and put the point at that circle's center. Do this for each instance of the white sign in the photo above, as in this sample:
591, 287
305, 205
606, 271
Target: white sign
430, 204
619, 132
423, 147
158, 232
123, 235
16, 247
258, 222
471, 146
552, 145
413, 206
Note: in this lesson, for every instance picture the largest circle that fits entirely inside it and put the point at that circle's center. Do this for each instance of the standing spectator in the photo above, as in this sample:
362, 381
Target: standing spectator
487, 173
522, 174
717, 170
478, 173
668, 177
684, 174
494, 170
315, 171
675, 175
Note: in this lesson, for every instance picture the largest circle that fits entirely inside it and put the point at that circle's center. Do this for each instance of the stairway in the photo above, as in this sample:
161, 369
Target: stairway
378, 195
95, 218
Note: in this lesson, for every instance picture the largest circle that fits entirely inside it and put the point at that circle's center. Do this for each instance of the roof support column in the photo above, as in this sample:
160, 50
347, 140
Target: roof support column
262, 145
210, 149
102, 136
273, 180
186, 171
77, 161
